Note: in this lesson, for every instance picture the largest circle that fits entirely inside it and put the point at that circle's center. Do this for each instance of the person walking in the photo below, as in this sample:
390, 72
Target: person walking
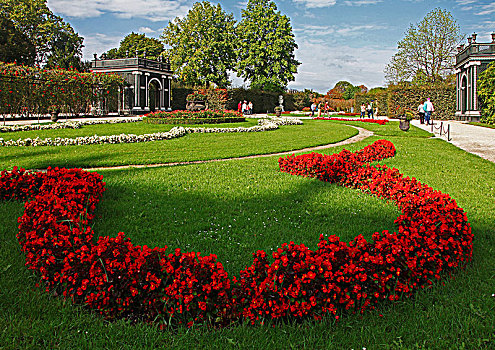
370, 110
244, 107
429, 109
363, 111
326, 108
239, 107
319, 109
421, 113
250, 107
313, 108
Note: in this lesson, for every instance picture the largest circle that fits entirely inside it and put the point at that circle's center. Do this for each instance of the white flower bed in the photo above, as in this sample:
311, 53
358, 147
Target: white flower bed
175, 132
64, 125
281, 121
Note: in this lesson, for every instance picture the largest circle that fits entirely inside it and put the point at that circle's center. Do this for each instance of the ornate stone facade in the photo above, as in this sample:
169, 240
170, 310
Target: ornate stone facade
147, 83
471, 61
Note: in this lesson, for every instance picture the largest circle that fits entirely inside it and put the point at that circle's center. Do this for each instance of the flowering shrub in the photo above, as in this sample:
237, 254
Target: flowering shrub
376, 121
119, 279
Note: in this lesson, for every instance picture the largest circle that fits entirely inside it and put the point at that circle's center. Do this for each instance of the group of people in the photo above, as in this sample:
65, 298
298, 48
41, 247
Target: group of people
367, 109
245, 107
425, 110
320, 108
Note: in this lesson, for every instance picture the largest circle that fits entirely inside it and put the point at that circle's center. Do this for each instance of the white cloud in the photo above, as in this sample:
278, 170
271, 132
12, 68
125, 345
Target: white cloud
341, 30
361, 2
316, 3
99, 43
154, 10
322, 68
146, 30
487, 9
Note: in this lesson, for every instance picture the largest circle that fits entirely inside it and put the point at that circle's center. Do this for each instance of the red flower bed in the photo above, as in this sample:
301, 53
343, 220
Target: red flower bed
120, 279
377, 121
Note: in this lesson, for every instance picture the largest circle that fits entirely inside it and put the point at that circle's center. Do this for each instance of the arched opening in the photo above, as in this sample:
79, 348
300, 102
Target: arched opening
154, 95
464, 95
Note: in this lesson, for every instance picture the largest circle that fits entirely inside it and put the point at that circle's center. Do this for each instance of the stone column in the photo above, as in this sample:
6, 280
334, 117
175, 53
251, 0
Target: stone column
137, 90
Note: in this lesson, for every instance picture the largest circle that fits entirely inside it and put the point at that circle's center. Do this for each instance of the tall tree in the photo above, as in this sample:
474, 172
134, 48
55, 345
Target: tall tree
265, 52
14, 45
202, 45
137, 43
429, 48
55, 40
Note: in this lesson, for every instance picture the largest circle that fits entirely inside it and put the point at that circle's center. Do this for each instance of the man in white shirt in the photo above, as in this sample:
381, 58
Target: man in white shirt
428, 107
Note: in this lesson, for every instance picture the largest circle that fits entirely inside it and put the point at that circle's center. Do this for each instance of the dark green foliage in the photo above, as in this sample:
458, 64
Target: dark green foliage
486, 94
15, 46
138, 44
377, 95
179, 95
56, 42
263, 101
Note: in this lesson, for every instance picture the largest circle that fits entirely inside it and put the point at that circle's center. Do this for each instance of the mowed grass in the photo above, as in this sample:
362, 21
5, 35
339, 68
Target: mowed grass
188, 148
233, 208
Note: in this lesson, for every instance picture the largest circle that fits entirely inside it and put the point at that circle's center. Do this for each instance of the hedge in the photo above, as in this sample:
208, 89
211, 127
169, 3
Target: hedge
262, 100
379, 100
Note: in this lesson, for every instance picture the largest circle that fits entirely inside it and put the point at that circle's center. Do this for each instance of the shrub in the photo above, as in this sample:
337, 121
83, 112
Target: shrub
486, 93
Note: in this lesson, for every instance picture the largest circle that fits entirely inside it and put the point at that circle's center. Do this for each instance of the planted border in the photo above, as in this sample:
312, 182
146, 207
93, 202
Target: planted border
119, 279
196, 117
376, 121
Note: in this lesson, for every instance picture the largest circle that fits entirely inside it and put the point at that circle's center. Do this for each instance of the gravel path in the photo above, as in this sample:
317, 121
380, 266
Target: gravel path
363, 134
473, 139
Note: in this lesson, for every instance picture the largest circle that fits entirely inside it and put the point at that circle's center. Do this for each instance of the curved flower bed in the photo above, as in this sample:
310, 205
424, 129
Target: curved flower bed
175, 132
119, 279
376, 121
64, 125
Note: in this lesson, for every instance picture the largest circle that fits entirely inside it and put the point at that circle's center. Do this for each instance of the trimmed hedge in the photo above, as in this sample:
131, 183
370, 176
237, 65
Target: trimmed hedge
179, 96
262, 100
442, 97
394, 98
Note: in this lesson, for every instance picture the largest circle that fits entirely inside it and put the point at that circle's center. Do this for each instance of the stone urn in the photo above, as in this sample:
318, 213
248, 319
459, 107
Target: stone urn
404, 124
278, 111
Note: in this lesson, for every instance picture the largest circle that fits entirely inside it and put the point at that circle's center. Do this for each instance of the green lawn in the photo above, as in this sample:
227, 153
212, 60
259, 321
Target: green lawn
233, 208
187, 148
491, 126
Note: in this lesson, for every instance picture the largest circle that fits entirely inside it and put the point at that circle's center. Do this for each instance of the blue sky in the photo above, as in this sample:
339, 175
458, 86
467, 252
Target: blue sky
349, 40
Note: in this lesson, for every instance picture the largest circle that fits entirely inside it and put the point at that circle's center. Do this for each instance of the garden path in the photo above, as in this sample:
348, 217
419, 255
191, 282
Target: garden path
471, 138
363, 134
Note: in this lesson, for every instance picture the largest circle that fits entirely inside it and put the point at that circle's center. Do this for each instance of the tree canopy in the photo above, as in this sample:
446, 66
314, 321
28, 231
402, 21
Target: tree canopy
265, 50
138, 44
14, 45
345, 90
55, 41
427, 51
202, 45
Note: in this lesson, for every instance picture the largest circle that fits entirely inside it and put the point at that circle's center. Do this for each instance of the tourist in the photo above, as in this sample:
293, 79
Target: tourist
313, 108
421, 113
370, 110
239, 107
429, 109
319, 109
250, 107
363, 111
244, 107
326, 108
